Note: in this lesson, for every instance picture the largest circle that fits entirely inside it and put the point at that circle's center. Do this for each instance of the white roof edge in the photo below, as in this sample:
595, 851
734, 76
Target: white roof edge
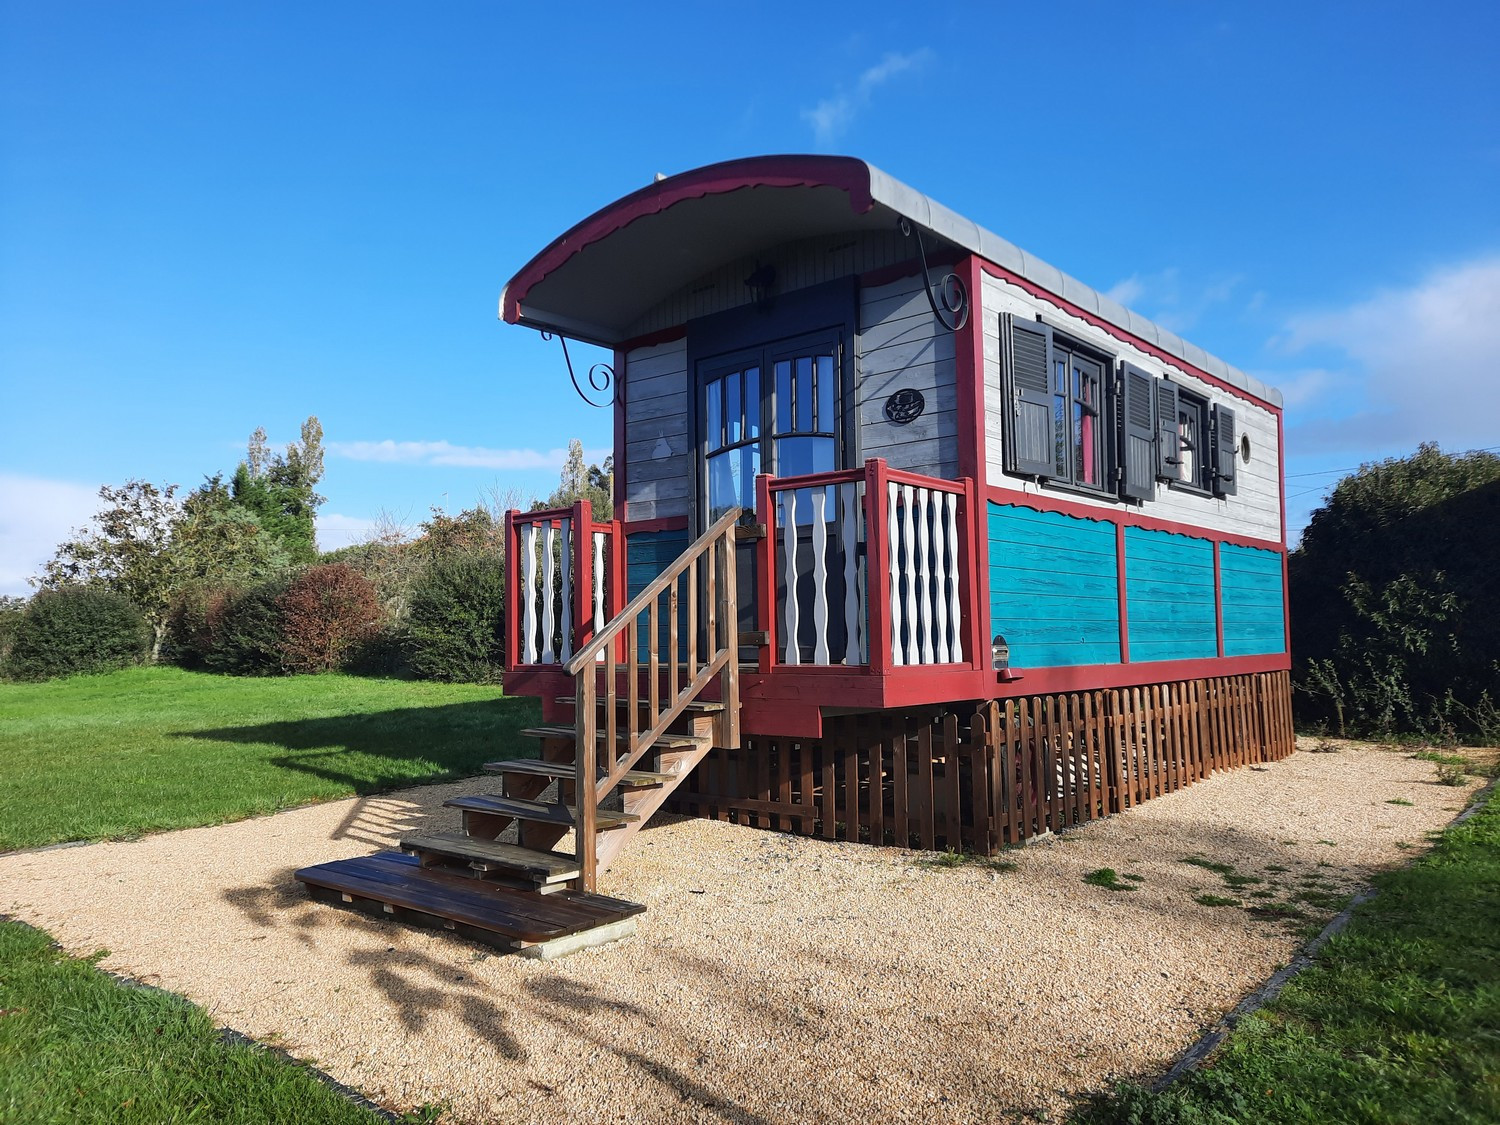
891, 192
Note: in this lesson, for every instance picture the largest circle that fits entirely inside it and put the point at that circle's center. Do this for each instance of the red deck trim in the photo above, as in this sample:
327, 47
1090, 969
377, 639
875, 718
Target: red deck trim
1126, 337
1286, 585
1124, 598
665, 523
1219, 599
1129, 517
1091, 677
847, 174
973, 452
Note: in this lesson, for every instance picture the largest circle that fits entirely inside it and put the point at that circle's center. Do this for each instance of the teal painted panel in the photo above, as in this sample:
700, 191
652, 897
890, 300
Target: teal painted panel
1254, 615
1169, 596
1054, 587
647, 554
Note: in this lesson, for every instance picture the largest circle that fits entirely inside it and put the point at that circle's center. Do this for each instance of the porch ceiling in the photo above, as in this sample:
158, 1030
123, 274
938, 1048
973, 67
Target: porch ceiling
596, 280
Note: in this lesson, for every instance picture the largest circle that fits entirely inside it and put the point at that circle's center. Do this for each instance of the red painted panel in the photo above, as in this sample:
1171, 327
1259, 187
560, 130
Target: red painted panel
972, 462
1129, 517
665, 523
1219, 599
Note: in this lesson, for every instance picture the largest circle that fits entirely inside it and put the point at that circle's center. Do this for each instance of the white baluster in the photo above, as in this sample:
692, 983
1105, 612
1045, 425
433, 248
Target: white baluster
923, 516
528, 590
792, 653
566, 610
941, 568
598, 581
893, 574
849, 528
549, 576
954, 611
914, 623
820, 575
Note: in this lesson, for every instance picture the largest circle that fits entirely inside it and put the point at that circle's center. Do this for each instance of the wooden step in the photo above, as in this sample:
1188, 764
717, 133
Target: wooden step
542, 868
665, 742
536, 811
394, 883
699, 706
634, 779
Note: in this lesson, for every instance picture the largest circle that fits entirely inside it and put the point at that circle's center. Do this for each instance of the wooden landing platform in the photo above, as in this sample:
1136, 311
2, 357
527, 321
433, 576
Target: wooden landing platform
397, 886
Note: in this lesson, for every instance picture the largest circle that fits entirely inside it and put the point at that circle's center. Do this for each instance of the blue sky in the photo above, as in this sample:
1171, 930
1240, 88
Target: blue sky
216, 217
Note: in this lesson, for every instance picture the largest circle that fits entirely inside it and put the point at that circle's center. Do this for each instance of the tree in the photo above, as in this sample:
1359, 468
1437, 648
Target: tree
1395, 612
280, 489
594, 483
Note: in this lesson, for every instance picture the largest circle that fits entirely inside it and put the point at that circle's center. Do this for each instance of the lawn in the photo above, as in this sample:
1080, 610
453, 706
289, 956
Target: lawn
147, 749
76, 1046
1398, 1020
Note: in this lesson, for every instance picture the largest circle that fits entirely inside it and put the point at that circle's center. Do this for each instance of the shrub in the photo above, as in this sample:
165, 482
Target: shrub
248, 638
195, 623
77, 629
11, 610
327, 613
456, 629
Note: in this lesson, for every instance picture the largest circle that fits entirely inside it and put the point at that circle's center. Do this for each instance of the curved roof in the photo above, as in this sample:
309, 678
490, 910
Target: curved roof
598, 278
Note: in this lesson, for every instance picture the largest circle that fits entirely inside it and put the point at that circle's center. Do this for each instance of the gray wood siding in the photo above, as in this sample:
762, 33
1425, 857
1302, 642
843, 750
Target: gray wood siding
1255, 510
659, 453
903, 346
798, 265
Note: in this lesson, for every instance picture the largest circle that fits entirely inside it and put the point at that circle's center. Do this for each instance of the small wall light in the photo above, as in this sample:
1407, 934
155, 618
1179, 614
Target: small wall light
1000, 653
760, 283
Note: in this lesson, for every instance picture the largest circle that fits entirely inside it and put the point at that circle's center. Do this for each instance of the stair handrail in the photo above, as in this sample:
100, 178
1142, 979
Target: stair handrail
718, 544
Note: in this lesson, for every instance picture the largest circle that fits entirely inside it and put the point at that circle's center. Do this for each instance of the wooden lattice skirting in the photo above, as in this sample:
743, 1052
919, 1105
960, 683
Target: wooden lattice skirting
979, 776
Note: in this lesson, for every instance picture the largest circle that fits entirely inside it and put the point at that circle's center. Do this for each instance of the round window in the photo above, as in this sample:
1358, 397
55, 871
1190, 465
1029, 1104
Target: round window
1245, 448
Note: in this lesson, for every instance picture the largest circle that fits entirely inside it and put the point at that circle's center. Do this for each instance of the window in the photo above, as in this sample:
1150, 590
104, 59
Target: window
772, 409
1059, 428
1184, 452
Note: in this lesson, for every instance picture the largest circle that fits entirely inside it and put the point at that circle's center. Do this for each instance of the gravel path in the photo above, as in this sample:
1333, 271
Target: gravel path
774, 978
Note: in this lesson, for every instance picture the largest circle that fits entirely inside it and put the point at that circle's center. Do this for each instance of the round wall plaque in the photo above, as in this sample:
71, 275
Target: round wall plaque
905, 406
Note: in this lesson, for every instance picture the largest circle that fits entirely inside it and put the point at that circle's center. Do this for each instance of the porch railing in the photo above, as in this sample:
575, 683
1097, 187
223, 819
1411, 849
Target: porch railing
867, 567
560, 590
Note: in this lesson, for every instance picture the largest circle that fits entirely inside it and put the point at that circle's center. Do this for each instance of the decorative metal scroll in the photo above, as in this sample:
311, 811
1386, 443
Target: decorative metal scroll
905, 406
601, 377
953, 314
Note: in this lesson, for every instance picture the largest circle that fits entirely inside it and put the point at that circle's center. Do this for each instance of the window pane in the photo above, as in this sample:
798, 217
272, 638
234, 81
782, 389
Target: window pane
1060, 458
798, 456
784, 397
715, 421
731, 479
804, 395
752, 402
826, 384
733, 409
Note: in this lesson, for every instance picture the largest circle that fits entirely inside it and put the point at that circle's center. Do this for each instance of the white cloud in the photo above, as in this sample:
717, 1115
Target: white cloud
1128, 291
832, 116
465, 456
35, 516
335, 530
1424, 357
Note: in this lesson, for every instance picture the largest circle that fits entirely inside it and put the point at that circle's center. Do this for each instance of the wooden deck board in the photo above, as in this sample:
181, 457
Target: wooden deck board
534, 810
544, 867
399, 881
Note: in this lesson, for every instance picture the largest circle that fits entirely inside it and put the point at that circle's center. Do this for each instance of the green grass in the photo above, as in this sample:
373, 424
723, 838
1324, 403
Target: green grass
146, 749
1109, 879
1396, 1021
78, 1046
1398, 801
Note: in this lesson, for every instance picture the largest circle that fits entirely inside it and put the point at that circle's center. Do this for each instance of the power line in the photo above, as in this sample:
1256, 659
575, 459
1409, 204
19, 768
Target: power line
1356, 468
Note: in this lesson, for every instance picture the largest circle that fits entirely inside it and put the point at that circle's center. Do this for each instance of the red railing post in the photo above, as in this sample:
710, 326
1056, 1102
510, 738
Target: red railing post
765, 573
582, 608
970, 588
877, 570
512, 581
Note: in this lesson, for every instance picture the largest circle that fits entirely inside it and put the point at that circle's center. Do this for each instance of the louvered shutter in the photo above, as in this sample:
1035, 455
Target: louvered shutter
1031, 438
1226, 447
1138, 434
1168, 438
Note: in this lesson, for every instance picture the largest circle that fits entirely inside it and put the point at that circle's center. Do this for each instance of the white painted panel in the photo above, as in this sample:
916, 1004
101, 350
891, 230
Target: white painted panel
1255, 509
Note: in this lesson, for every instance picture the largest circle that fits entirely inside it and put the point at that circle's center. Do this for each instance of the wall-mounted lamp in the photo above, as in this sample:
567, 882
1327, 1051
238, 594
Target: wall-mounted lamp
760, 283
1000, 653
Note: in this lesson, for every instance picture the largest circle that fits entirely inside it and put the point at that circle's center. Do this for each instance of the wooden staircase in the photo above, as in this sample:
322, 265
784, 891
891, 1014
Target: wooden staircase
523, 872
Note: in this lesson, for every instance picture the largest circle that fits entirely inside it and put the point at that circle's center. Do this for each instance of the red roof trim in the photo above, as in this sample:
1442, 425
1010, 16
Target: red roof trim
843, 172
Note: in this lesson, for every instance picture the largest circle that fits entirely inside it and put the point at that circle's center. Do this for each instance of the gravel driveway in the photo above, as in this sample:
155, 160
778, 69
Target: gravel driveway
774, 978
